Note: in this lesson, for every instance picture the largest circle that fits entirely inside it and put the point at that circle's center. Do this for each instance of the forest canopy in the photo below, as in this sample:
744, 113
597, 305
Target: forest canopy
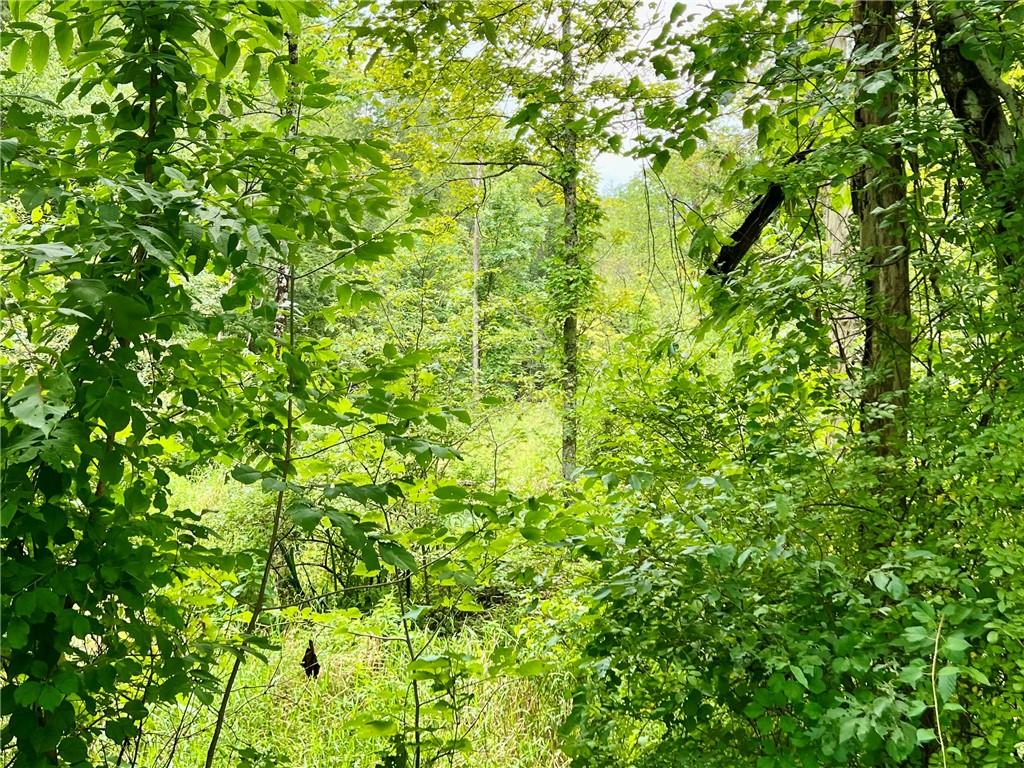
619, 383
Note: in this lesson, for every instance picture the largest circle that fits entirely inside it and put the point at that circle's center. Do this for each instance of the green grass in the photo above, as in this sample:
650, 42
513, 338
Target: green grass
293, 721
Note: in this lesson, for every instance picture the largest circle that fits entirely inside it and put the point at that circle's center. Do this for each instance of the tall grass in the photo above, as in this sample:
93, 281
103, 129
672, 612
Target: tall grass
278, 717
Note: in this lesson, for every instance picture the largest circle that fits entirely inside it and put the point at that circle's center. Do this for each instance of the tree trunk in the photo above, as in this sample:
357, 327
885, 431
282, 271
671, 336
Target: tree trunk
846, 326
476, 286
570, 253
291, 109
979, 99
880, 204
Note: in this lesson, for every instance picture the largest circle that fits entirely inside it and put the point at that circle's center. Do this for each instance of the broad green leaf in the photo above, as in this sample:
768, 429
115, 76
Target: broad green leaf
40, 51
19, 55
246, 474
49, 698
660, 160
252, 68
8, 149
450, 492
531, 668
278, 81
64, 38
38, 410
946, 681
396, 555
663, 66
306, 516
377, 728
799, 675
290, 16
848, 728
956, 644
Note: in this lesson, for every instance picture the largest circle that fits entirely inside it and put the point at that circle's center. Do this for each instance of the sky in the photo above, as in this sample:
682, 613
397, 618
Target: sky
613, 171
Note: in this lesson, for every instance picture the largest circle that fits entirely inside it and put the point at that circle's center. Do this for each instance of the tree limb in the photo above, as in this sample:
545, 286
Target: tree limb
750, 230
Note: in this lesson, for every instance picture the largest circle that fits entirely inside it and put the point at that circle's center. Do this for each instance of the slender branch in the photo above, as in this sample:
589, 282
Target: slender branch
935, 692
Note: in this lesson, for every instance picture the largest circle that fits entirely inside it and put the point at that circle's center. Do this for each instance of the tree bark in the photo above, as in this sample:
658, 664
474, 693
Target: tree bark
747, 234
879, 194
979, 99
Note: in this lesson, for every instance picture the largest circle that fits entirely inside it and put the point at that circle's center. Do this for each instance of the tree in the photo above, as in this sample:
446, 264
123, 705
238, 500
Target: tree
112, 391
879, 195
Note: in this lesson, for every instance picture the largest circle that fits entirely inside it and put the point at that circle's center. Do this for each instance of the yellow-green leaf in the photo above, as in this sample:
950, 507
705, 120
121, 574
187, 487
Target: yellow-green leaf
278, 80
290, 16
232, 52
217, 41
19, 54
252, 68
40, 51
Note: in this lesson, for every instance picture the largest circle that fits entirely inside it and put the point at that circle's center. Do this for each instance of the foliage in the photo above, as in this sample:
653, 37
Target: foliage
247, 247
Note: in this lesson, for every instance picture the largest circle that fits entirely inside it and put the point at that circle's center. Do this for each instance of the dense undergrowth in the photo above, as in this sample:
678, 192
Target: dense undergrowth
325, 334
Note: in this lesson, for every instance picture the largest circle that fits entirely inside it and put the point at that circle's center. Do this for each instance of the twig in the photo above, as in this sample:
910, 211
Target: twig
935, 692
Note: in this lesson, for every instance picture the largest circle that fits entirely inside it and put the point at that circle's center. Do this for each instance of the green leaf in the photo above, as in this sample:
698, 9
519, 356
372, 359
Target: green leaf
526, 115
376, 728
415, 613
663, 66
917, 635
956, 644
468, 605
217, 41
15, 633
278, 80
946, 681
306, 516
369, 558
396, 555
912, 673
660, 160
230, 58
848, 728
252, 68
74, 750
450, 492
8, 149
40, 51
531, 668
64, 37
977, 675
36, 409
490, 31
128, 315
19, 55
290, 16
27, 692
799, 675
246, 474
49, 698
353, 534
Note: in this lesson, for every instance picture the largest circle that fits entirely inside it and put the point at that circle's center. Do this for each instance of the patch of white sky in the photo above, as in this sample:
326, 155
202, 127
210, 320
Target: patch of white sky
615, 170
